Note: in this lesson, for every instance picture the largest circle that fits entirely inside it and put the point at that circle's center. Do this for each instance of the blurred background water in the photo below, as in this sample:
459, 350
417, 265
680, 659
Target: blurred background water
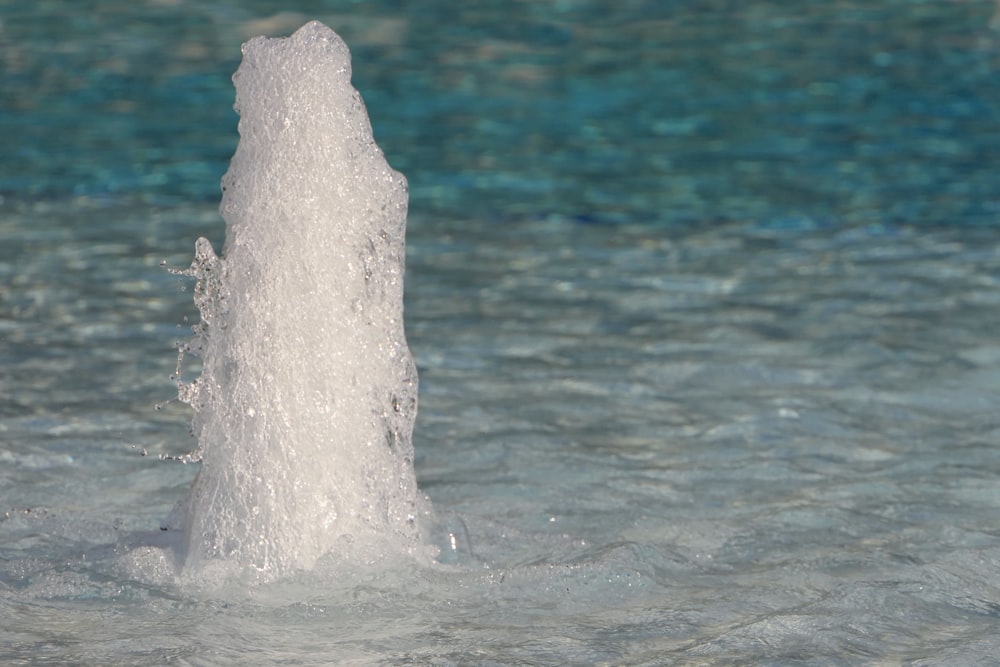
703, 297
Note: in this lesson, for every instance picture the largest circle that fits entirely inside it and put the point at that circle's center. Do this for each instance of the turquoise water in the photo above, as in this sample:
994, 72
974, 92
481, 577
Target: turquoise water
703, 298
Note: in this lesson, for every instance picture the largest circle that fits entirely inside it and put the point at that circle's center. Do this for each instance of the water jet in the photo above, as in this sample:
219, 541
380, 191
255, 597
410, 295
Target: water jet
305, 405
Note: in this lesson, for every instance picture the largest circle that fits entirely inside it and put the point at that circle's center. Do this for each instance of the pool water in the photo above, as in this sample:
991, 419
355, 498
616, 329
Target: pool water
703, 297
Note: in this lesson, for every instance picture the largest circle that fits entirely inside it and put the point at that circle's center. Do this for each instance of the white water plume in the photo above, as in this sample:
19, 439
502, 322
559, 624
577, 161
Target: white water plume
305, 405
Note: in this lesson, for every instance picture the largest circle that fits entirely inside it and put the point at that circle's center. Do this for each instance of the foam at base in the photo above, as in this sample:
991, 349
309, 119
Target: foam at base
306, 401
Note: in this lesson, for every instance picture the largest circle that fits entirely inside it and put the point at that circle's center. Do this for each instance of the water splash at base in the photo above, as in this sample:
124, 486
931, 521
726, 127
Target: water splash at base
305, 405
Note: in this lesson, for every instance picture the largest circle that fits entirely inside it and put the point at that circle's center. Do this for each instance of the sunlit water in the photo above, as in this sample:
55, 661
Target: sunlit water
307, 396
703, 302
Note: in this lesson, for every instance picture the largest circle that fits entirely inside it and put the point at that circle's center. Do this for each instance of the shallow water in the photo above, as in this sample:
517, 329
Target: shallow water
703, 303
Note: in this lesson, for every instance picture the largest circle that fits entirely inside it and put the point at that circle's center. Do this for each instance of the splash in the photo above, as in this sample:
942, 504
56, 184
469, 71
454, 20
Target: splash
305, 405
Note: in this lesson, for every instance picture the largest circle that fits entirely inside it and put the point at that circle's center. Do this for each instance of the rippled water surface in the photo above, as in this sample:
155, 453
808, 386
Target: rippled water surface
704, 299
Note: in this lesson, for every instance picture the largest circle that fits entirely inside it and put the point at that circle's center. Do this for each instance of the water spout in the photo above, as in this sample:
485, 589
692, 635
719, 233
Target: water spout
305, 405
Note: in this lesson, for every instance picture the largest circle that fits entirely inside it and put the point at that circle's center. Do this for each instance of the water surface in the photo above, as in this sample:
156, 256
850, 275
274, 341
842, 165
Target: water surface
703, 297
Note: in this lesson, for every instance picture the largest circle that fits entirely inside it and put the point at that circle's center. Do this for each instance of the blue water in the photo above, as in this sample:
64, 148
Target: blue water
703, 298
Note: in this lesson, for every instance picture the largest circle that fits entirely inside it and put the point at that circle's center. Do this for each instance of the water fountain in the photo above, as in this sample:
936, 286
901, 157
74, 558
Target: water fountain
305, 405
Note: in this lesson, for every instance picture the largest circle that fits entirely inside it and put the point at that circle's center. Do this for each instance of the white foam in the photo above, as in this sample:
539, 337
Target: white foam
306, 402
